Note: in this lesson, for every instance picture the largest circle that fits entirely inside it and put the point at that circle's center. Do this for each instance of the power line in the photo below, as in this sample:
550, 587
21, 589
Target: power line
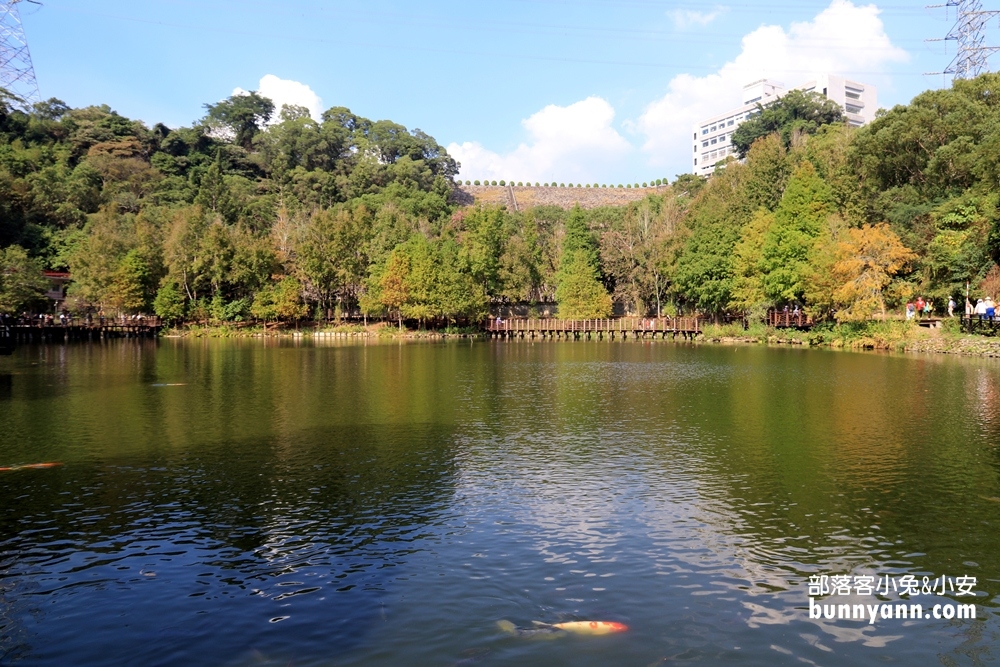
973, 54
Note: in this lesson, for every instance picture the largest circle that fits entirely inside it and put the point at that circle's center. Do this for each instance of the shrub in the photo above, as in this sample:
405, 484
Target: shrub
620, 185
659, 182
536, 185
629, 186
475, 182
562, 185
502, 183
493, 183
645, 185
520, 184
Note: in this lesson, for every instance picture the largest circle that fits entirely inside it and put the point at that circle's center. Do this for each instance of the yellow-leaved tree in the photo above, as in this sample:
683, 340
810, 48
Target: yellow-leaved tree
867, 260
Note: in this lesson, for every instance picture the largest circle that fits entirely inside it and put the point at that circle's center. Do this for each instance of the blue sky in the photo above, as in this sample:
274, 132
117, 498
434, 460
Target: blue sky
582, 90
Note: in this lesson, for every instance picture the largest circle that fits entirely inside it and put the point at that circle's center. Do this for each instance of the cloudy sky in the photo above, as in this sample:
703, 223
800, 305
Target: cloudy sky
535, 90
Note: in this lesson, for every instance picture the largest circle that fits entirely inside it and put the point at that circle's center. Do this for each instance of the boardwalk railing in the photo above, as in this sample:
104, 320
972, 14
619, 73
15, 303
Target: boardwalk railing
779, 319
624, 328
983, 326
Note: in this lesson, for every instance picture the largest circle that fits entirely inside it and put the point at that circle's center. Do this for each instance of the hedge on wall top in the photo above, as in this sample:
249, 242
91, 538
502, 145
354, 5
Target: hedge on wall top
475, 182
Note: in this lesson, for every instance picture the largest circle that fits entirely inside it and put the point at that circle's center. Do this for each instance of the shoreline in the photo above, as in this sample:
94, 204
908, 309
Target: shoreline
909, 340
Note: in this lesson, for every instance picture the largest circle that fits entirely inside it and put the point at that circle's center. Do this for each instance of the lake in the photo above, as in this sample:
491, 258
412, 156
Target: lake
274, 502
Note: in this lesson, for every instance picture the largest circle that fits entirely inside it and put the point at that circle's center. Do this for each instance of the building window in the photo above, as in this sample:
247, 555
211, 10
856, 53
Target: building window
851, 95
696, 162
715, 141
704, 132
704, 144
696, 148
853, 109
714, 128
731, 123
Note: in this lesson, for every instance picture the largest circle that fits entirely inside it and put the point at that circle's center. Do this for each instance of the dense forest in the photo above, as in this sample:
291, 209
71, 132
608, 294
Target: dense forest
261, 214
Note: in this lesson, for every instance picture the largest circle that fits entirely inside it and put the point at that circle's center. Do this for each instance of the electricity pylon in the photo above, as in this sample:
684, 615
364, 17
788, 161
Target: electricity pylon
17, 74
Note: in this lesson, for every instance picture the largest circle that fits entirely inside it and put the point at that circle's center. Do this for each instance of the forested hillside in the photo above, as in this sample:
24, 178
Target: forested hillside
262, 214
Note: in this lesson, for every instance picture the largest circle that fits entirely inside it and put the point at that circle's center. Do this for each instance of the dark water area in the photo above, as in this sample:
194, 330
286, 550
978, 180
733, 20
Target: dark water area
233, 503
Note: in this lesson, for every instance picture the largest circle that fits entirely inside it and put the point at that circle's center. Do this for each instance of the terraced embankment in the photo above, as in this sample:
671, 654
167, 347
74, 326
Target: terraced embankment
519, 198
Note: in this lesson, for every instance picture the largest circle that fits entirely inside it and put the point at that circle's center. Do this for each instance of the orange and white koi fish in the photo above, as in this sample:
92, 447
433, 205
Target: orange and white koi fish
31, 466
591, 627
555, 630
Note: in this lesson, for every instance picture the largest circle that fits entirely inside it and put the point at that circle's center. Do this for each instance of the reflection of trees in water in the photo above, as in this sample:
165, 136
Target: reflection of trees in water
334, 514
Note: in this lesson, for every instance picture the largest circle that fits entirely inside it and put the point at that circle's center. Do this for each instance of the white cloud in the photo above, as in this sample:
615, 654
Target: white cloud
843, 39
574, 143
284, 91
689, 18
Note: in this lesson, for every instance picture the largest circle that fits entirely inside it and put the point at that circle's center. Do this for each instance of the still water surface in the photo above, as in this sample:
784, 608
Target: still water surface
251, 503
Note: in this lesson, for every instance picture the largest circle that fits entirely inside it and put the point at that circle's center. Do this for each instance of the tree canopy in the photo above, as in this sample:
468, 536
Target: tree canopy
258, 213
796, 113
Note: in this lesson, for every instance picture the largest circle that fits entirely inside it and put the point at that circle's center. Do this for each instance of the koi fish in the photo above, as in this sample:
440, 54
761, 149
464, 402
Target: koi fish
541, 630
591, 627
31, 466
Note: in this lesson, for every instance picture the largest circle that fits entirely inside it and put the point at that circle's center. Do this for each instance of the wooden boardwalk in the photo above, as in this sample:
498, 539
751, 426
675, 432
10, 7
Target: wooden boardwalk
789, 320
23, 332
623, 328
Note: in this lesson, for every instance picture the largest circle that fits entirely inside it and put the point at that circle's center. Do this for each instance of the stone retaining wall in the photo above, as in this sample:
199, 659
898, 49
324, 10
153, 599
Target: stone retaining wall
566, 198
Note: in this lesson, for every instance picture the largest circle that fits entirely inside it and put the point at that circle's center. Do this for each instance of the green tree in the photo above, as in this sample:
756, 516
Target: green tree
130, 285
241, 116
797, 113
788, 243
749, 294
483, 247
579, 293
169, 304
330, 257
21, 280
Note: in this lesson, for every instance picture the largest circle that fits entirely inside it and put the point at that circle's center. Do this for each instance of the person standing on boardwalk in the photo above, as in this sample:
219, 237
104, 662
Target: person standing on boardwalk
981, 309
909, 312
951, 306
920, 306
991, 309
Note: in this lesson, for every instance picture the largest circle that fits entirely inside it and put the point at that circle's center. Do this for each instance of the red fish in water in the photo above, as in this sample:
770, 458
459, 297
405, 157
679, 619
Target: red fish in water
31, 466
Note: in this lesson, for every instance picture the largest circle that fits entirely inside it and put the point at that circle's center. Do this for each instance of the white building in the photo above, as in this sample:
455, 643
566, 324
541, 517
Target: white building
713, 137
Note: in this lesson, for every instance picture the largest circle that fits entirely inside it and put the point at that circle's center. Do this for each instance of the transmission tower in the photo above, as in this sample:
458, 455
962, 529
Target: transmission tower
17, 74
972, 56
